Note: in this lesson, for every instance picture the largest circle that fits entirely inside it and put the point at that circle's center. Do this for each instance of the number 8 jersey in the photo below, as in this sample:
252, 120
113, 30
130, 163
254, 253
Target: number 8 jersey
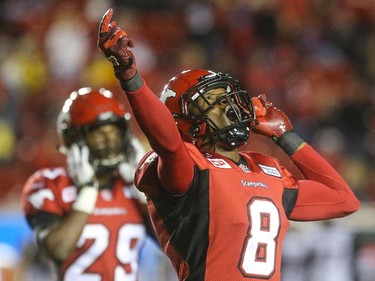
110, 242
212, 234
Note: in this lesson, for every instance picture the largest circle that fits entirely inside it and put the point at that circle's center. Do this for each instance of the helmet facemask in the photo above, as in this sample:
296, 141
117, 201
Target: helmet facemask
237, 109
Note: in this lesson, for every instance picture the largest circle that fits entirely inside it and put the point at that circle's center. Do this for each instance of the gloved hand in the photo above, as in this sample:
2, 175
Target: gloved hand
83, 175
273, 123
79, 167
115, 45
269, 120
127, 168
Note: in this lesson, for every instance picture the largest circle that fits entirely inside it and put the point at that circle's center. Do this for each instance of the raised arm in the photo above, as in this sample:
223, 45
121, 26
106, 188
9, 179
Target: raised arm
323, 194
175, 167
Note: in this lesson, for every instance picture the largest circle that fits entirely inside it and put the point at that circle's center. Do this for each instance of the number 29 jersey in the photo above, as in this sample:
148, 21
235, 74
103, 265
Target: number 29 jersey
110, 242
230, 224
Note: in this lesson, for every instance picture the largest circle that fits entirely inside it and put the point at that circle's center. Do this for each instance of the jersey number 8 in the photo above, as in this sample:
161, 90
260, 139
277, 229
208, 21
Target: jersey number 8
259, 254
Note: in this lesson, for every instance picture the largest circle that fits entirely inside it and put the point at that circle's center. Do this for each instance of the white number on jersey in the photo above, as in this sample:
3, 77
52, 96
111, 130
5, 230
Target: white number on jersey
259, 256
130, 239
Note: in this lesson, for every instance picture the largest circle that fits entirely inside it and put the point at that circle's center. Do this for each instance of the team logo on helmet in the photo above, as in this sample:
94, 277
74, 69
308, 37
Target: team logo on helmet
167, 93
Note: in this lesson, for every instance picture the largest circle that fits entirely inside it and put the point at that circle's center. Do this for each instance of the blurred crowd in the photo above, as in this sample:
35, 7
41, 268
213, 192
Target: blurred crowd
314, 59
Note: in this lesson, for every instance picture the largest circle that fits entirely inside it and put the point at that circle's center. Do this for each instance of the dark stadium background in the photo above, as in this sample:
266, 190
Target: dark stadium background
315, 59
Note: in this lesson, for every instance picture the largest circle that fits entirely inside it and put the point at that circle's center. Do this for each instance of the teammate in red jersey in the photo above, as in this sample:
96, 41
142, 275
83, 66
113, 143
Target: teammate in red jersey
218, 213
87, 217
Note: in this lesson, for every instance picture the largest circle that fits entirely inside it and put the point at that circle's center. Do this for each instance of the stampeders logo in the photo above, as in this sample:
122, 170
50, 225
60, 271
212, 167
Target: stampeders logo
115, 211
253, 184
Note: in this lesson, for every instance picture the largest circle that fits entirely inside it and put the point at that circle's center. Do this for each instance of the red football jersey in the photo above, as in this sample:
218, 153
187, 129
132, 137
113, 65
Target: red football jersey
109, 245
230, 224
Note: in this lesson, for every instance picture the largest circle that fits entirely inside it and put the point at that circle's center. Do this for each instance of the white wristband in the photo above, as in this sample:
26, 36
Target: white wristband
86, 199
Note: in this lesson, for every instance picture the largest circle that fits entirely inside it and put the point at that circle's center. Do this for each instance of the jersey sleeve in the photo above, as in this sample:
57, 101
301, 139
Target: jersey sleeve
147, 180
175, 168
146, 176
40, 198
323, 193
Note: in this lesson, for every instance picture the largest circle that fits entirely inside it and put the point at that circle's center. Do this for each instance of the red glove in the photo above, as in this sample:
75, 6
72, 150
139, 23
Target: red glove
115, 45
269, 120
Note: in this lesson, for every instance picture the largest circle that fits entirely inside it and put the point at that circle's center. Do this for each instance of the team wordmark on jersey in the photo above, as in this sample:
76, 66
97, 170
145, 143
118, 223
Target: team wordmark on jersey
253, 184
219, 163
272, 171
110, 211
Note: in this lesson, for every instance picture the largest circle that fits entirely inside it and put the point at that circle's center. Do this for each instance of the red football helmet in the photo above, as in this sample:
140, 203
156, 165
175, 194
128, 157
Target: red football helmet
180, 95
86, 109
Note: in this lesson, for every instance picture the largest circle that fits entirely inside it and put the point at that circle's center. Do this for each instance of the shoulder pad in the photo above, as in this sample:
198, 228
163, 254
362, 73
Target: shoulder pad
146, 172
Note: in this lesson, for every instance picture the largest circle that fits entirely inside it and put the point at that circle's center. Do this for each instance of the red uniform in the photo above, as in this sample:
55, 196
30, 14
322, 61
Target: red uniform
229, 224
109, 245
218, 220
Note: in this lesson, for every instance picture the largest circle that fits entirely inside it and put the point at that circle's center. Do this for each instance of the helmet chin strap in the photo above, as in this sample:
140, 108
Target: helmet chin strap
232, 136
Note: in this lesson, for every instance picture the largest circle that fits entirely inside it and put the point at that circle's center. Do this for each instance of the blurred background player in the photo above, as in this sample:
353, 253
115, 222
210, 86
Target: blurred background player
220, 213
87, 217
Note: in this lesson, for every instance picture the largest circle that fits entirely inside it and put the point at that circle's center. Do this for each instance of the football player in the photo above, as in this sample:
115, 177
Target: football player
219, 213
88, 217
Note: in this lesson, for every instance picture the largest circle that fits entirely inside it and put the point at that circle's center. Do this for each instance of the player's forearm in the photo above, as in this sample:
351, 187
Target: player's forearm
317, 201
60, 240
314, 167
324, 186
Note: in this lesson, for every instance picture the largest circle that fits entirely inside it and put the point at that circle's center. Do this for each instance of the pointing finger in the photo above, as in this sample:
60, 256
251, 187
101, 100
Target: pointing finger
103, 27
115, 37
